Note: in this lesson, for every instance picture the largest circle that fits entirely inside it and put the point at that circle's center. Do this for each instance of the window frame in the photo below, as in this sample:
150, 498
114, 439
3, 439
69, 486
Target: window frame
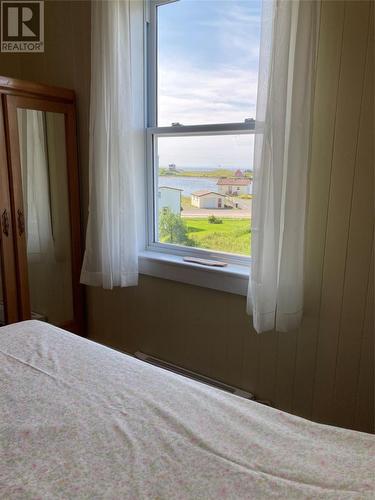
153, 131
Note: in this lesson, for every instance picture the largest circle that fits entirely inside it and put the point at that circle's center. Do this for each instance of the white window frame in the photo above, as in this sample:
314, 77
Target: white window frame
238, 265
153, 133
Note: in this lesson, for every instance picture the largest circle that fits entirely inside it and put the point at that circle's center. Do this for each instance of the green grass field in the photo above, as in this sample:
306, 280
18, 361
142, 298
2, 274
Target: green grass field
233, 235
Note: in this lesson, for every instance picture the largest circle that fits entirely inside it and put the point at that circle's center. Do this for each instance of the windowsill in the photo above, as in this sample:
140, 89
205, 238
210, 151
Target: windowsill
233, 278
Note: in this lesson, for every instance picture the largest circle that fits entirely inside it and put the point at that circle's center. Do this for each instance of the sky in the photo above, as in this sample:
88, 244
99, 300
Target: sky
208, 53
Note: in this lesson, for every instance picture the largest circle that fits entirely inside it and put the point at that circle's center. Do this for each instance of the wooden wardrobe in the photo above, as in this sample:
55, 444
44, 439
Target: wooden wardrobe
40, 239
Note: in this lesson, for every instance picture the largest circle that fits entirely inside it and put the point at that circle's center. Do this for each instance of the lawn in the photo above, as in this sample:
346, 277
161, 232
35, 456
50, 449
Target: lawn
233, 235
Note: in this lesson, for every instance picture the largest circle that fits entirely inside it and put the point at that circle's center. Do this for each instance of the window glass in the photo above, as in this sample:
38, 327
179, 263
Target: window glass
207, 61
204, 186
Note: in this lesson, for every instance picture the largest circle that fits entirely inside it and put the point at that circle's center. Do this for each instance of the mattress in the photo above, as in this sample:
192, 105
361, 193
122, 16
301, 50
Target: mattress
79, 420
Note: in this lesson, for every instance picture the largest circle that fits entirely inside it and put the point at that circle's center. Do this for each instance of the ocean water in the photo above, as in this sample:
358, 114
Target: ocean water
189, 184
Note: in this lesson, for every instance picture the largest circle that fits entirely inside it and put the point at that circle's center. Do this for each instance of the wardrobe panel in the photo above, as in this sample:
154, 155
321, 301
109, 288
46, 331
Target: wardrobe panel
44, 184
8, 280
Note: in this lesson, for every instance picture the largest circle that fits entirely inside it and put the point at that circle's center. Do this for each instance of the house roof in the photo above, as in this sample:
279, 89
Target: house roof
233, 182
168, 187
204, 192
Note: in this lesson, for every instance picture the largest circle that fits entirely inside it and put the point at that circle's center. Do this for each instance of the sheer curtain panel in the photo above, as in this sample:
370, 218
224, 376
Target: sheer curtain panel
281, 162
111, 257
35, 182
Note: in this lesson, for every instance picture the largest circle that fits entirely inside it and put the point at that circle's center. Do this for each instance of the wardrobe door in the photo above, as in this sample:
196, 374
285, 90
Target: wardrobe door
46, 206
8, 281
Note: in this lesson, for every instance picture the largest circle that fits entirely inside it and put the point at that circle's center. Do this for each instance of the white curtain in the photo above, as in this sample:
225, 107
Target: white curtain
36, 185
111, 240
281, 162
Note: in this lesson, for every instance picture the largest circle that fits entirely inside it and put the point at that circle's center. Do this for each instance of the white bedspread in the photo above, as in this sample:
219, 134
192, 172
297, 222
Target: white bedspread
79, 420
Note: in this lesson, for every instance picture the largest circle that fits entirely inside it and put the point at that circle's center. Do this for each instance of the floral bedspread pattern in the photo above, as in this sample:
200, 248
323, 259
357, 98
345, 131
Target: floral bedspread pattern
79, 420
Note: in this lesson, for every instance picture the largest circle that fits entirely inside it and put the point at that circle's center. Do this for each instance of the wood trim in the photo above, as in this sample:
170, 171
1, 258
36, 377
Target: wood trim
14, 86
39, 104
72, 326
7, 260
74, 212
10, 105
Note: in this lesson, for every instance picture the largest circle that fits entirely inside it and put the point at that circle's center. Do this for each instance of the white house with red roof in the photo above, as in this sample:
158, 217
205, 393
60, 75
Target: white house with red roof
234, 186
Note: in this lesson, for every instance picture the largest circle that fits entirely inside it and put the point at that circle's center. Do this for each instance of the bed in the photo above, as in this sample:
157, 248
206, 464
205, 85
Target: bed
79, 420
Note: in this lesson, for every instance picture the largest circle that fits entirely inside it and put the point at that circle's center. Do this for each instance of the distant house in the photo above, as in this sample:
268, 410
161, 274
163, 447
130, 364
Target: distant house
207, 199
170, 197
239, 173
234, 186
172, 167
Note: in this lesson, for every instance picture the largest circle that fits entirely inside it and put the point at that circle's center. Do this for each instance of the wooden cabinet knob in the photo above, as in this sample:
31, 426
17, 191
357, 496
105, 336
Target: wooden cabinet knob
21, 222
5, 222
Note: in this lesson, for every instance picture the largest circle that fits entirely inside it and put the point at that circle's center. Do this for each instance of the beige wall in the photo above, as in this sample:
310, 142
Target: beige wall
324, 371
65, 63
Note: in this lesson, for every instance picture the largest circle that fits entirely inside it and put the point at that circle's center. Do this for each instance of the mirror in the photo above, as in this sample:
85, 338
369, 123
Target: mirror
46, 214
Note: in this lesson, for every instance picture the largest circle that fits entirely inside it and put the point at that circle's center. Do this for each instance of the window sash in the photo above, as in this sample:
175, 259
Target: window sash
246, 127
153, 132
152, 187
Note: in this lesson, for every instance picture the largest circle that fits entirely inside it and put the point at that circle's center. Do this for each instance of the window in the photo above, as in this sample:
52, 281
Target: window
202, 65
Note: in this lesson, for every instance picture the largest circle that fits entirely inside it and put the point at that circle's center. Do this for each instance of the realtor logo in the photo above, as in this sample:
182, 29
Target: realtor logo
22, 26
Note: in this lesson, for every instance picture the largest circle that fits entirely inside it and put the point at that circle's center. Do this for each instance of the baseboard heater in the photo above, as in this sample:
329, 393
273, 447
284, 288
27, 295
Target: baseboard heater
193, 375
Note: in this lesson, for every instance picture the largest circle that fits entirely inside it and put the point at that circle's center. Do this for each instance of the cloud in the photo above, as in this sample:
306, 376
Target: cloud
191, 95
213, 83
237, 31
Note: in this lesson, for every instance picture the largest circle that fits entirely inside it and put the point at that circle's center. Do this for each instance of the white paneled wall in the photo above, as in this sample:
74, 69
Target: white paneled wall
324, 371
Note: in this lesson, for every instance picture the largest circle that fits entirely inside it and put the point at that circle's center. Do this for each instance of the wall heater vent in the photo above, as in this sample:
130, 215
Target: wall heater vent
195, 376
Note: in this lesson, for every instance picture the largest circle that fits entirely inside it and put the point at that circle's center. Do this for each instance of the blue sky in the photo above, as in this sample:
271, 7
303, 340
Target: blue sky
208, 54
208, 69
